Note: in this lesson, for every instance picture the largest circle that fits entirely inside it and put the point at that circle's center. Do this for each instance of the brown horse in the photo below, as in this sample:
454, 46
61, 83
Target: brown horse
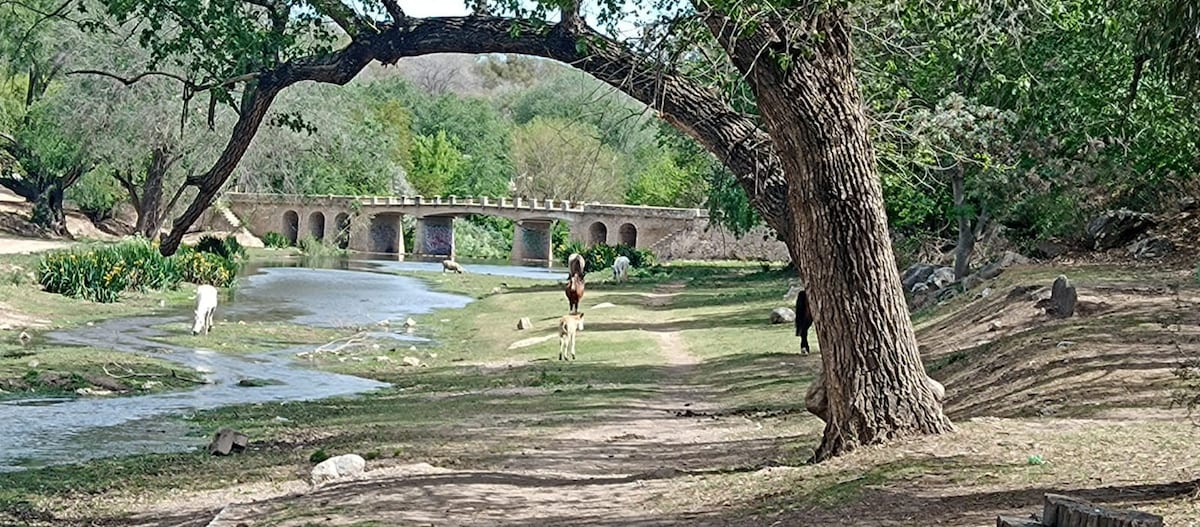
574, 292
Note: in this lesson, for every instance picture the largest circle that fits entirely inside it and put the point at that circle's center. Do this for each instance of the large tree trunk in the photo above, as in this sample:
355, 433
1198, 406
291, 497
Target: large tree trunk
48, 210
255, 103
874, 380
149, 212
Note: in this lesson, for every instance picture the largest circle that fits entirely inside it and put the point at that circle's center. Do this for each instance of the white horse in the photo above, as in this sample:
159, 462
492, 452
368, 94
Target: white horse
568, 327
206, 304
621, 268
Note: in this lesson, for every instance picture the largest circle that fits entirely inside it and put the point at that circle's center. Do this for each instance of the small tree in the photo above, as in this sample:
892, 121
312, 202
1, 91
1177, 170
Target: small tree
45, 158
966, 146
560, 159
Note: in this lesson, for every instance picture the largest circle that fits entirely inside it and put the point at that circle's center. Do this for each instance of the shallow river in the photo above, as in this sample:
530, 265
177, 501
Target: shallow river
38, 432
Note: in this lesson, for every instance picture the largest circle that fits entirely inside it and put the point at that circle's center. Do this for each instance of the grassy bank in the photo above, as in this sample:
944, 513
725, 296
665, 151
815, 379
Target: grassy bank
474, 398
683, 371
33, 366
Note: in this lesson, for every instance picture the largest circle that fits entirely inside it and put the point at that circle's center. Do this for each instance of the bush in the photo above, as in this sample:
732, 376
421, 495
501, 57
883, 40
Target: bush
479, 239
97, 195
101, 274
601, 256
314, 247
275, 240
564, 250
207, 268
228, 248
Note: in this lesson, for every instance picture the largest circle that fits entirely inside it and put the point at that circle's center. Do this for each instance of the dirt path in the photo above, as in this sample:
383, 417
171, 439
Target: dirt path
606, 470
23, 245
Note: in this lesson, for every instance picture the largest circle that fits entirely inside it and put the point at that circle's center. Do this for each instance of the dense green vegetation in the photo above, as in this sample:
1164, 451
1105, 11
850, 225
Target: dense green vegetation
103, 273
1044, 119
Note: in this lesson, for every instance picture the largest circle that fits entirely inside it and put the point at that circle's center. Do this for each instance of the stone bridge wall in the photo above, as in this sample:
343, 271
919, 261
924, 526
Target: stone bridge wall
372, 224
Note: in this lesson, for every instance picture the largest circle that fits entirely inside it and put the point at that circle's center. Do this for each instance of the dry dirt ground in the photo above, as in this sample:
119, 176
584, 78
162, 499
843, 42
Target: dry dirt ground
1076, 406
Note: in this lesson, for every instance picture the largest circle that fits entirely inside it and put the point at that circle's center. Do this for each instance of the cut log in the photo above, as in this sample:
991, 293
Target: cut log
1064, 511
1009, 521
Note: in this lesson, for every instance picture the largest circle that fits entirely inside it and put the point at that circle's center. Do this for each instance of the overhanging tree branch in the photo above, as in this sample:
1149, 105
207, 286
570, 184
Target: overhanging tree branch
734, 137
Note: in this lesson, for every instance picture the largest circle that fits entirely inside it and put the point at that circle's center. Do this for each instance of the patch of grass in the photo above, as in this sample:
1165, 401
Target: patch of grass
252, 337
955, 357
48, 371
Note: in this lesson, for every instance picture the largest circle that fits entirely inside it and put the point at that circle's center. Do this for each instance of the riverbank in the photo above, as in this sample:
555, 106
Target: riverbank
685, 406
33, 364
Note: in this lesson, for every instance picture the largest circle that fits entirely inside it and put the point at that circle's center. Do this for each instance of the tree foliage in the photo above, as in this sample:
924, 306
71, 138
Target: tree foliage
560, 159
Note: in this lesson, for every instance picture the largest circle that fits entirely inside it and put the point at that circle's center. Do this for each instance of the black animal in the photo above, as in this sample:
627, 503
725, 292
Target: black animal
804, 320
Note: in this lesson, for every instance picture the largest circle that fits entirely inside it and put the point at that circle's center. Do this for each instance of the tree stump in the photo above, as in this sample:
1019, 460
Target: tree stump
1064, 511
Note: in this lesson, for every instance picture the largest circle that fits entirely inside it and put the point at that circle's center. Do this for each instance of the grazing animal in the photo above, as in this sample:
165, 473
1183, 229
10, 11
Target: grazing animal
206, 304
804, 320
568, 327
576, 265
621, 268
451, 265
574, 291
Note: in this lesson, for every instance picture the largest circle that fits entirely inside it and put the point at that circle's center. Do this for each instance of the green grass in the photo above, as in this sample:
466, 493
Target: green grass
39, 371
251, 337
473, 401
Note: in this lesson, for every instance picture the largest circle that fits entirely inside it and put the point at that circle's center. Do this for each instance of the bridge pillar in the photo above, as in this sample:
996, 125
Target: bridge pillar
382, 234
435, 237
532, 243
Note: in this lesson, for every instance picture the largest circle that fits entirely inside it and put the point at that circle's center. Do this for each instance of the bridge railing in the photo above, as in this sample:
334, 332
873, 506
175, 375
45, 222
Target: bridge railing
473, 201
486, 202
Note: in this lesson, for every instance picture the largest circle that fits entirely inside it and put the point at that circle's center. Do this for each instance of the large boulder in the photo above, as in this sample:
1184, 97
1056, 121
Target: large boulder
338, 467
524, 324
1049, 249
1008, 259
916, 274
1152, 247
940, 278
782, 315
1115, 228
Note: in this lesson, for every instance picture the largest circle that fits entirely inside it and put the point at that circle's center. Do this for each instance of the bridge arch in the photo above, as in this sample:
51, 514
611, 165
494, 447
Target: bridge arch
291, 226
597, 233
342, 224
627, 235
316, 225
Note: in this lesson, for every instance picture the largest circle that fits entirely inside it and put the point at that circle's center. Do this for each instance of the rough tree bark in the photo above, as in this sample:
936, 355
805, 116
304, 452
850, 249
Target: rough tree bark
46, 193
148, 201
966, 236
874, 380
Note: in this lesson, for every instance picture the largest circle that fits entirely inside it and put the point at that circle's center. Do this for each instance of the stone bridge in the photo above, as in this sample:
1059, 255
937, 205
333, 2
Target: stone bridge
373, 224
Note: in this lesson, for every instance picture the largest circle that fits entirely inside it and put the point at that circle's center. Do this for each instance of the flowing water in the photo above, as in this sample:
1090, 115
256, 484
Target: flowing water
39, 432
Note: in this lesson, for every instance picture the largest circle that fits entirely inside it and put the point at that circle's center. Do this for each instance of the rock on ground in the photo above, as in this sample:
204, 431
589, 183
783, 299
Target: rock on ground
781, 315
1115, 228
338, 467
228, 440
524, 323
1152, 247
915, 274
1062, 298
